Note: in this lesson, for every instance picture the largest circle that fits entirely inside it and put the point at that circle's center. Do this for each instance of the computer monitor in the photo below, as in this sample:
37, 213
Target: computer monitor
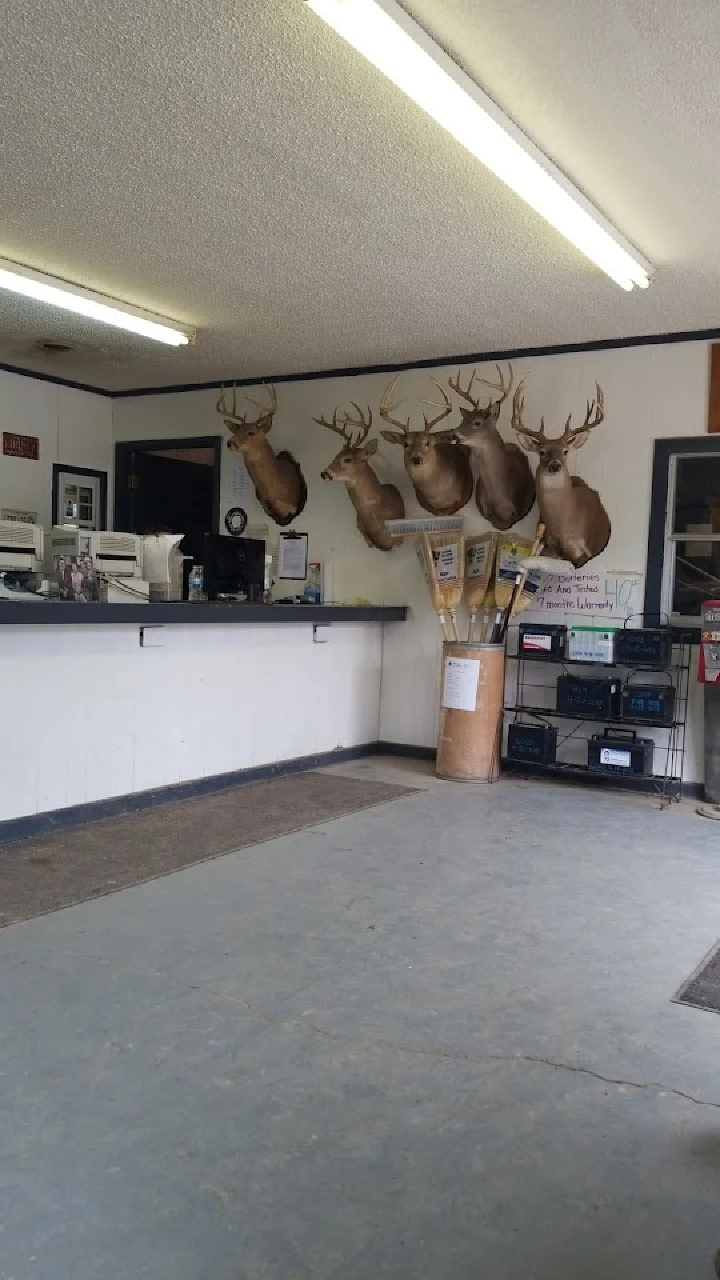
232, 565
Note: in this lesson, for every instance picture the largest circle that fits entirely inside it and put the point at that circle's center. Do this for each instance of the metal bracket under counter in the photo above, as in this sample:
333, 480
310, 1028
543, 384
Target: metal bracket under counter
61, 613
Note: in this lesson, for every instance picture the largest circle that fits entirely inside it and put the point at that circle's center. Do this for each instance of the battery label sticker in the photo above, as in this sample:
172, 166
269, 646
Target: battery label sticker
537, 642
610, 755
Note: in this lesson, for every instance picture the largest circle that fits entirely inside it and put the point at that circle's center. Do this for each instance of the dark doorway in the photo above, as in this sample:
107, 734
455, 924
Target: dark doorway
169, 486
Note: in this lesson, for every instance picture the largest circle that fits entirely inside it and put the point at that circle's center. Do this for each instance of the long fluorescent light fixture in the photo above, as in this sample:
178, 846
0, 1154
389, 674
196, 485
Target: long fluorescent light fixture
84, 302
402, 50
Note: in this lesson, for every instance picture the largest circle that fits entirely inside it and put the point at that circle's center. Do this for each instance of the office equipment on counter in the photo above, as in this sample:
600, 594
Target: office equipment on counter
233, 568
532, 743
588, 699
620, 751
113, 554
21, 547
649, 647
591, 644
163, 565
21, 561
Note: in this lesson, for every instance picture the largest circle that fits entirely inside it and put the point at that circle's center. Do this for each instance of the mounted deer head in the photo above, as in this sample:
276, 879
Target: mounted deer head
373, 501
505, 490
436, 463
279, 483
577, 526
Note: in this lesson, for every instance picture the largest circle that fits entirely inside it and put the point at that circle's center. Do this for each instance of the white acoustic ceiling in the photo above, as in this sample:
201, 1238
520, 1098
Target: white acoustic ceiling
233, 165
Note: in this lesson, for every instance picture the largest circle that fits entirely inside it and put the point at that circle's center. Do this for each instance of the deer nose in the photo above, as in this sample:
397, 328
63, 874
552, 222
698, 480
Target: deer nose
416, 459
554, 466
325, 475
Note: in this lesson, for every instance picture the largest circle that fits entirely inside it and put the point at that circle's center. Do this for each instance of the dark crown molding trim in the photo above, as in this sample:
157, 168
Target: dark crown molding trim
474, 357
355, 371
52, 377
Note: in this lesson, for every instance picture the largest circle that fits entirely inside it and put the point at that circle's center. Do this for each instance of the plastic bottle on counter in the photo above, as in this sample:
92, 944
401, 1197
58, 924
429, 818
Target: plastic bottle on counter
313, 587
195, 583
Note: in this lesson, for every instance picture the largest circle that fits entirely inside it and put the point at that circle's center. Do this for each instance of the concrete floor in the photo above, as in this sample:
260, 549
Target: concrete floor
433, 1039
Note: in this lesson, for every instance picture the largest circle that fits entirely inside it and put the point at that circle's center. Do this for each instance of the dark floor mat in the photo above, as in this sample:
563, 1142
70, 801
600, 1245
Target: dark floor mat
37, 876
702, 988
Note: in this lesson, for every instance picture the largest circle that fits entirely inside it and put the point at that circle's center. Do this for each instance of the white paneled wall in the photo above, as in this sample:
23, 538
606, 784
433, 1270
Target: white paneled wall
650, 391
90, 714
74, 428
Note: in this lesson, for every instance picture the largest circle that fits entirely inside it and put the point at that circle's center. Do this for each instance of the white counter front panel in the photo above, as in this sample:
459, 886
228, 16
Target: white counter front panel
87, 713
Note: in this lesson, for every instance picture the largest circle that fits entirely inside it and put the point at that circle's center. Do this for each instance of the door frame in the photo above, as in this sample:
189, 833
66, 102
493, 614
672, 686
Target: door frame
124, 450
59, 467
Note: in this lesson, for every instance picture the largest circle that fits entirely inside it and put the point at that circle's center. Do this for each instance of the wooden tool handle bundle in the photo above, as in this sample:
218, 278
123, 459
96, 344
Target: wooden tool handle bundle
444, 560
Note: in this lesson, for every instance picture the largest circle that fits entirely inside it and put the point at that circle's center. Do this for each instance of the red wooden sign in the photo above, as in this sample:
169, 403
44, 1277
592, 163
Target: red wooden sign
15, 446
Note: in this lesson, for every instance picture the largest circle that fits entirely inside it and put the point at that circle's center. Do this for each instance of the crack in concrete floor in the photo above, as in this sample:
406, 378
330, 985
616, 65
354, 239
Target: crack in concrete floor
393, 1046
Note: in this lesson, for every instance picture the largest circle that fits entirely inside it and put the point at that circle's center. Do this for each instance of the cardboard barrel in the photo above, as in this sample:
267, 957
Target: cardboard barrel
471, 704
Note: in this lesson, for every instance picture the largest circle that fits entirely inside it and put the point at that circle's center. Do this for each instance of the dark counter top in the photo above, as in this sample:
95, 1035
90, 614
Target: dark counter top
58, 613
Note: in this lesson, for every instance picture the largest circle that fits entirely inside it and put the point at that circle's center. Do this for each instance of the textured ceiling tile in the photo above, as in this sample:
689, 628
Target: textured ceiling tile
237, 167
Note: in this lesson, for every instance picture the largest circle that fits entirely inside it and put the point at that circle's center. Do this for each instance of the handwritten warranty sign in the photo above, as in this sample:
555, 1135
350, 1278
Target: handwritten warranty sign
613, 593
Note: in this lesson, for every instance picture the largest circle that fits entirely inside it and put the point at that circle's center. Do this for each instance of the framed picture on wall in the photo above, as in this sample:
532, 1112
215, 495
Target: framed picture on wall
79, 497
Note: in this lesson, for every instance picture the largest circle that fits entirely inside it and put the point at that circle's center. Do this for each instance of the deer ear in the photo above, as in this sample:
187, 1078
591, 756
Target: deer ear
370, 448
494, 413
578, 441
392, 437
526, 442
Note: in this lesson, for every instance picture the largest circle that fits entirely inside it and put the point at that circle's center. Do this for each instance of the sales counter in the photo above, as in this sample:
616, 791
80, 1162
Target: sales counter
108, 700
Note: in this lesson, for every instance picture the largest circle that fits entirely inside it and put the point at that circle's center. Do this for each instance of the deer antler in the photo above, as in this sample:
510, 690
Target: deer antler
504, 388
594, 415
466, 394
387, 408
501, 386
517, 417
345, 427
266, 411
445, 408
232, 415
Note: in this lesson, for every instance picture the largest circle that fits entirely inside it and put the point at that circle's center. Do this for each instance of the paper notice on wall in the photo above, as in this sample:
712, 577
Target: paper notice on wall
242, 485
611, 593
461, 683
293, 556
447, 562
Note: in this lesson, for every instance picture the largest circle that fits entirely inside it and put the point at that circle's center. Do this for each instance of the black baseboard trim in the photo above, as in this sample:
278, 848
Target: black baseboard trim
39, 824
79, 815
406, 749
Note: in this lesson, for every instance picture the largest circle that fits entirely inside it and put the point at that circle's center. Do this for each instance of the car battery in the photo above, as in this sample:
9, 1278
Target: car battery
532, 743
541, 640
621, 752
588, 699
649, 647
591, 644
654, 703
